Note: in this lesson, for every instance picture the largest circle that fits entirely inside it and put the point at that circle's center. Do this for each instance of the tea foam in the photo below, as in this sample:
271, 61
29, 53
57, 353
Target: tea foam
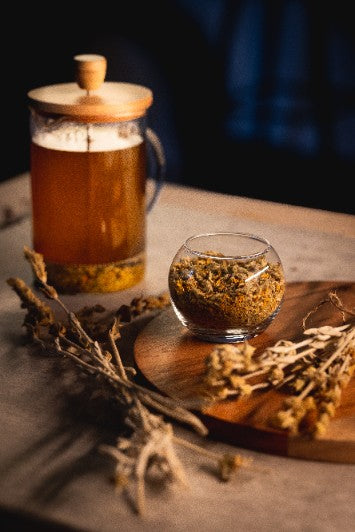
74, 137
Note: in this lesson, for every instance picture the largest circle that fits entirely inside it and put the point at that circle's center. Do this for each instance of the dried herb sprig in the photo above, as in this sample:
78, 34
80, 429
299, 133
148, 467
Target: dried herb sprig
39, 315
314, 369
320, 383
96, 320
151, 443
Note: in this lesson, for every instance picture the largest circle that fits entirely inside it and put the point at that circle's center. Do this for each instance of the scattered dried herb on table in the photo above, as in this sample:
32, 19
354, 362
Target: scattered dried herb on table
220, 294
97, 326
152, 442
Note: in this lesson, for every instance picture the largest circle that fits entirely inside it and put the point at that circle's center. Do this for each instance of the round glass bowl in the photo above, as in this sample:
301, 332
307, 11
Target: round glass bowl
226, 287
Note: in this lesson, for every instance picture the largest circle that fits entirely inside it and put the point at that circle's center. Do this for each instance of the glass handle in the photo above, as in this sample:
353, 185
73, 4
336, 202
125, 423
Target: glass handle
159, 155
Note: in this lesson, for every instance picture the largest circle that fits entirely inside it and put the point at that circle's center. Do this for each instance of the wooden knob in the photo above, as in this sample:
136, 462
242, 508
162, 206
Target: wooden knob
90, 71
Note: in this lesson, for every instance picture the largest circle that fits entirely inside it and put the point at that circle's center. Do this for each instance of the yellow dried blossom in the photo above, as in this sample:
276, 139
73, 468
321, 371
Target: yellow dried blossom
328, 408
309, 403
276, 375
228, 464
298, 384
319, 429
293, 402
285, 419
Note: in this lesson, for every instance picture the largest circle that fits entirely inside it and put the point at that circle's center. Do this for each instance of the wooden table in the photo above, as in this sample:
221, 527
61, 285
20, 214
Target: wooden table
49, 466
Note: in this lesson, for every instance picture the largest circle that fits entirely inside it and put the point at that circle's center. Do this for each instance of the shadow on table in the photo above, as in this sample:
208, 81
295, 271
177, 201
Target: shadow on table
83, 418
11, 520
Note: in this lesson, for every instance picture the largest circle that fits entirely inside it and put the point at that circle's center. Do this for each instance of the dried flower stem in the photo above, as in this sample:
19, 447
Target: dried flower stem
112, 336
228, 464
151, 443
317, 367
334, 299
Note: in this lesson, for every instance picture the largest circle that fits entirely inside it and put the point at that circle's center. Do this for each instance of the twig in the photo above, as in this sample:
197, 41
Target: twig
334, 299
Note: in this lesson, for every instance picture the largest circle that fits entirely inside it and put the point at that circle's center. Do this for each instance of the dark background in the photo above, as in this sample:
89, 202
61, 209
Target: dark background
253, 98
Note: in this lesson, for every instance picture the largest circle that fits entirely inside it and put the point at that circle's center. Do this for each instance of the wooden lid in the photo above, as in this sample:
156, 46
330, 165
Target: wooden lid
94, 102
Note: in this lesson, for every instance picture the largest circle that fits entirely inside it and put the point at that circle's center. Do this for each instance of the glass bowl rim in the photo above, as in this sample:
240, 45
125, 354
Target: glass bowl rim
229, 233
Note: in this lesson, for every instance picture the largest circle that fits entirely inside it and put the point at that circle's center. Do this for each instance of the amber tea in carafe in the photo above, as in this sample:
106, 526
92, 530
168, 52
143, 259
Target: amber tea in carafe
89, 206
88, 178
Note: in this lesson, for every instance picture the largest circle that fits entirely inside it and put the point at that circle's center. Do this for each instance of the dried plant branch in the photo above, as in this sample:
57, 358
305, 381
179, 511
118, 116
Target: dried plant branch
227, 463
151, 443
334, 299
38, 315
315, 369
115, 334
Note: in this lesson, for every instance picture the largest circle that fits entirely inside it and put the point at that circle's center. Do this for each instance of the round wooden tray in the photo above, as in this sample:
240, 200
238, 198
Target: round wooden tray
173, 361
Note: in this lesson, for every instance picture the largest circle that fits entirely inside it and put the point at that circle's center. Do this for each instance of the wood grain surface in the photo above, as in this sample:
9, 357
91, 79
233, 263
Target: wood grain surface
172, 360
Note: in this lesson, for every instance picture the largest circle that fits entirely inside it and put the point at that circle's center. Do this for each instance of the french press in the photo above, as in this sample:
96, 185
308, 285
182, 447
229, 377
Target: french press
88, 179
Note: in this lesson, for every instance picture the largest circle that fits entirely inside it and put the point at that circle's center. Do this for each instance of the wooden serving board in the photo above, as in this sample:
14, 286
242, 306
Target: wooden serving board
172, 360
